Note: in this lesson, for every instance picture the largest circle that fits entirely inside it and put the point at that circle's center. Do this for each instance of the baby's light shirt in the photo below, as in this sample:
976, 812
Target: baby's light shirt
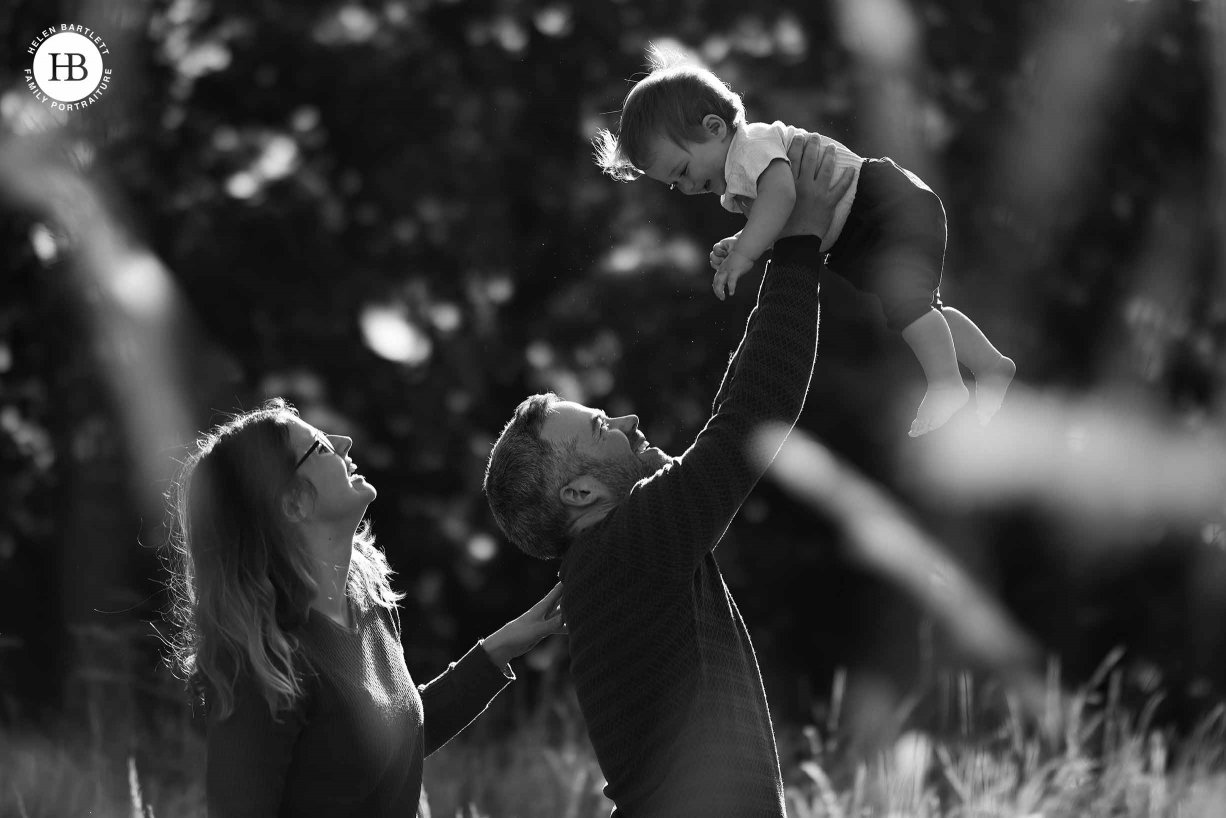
756, 144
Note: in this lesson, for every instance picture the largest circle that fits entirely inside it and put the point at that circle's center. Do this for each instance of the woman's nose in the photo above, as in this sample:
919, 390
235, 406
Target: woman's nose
346, 445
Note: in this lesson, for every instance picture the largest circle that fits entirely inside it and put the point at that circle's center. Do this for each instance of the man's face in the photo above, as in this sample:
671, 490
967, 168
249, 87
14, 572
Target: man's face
617, 447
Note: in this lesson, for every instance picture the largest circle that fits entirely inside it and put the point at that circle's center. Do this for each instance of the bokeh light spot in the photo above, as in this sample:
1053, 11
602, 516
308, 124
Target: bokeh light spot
242, 185
141, 286
359, 23
225, 138
305, 118
482, 547
397, 13
43, 243
499, 289
205, 58
279, 158
445, 316
790, 36
624, 258
510, 34
882, 30
390, 334
554, 20
539, 354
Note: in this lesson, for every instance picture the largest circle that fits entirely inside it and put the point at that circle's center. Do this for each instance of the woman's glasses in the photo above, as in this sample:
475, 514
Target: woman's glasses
320, 442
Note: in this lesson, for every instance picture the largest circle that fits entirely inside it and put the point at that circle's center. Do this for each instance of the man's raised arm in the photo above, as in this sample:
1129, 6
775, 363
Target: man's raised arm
766, 382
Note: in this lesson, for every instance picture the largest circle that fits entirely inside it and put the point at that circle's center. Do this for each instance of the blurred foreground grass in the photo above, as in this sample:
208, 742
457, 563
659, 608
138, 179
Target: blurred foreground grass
1086, 754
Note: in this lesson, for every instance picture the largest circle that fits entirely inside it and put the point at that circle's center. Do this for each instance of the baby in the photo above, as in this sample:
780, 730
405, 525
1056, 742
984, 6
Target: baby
681, 125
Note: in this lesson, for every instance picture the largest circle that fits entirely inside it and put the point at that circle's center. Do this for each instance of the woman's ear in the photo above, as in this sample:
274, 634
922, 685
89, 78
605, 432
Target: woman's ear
295, 505
715, 126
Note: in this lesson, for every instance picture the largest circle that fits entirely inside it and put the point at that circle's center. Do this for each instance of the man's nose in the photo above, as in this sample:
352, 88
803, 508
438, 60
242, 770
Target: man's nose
627, 424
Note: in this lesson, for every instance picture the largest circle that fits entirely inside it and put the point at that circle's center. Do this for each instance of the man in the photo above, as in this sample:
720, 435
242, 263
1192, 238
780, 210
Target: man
662, 663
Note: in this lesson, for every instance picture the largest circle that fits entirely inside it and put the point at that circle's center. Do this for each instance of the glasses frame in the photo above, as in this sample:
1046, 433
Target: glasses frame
320, 441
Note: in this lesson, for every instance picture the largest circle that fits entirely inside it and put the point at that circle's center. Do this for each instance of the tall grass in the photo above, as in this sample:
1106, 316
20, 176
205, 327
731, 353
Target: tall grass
125, 745
1085, 754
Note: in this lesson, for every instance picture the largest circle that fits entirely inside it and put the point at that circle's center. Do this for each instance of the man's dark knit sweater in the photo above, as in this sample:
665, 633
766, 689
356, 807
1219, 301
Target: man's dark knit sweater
354, 745
662, 663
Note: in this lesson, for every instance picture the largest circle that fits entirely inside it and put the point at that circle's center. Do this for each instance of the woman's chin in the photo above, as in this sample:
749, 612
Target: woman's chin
358, 483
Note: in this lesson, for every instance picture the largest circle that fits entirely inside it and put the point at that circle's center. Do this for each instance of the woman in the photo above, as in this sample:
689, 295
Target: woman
289, 629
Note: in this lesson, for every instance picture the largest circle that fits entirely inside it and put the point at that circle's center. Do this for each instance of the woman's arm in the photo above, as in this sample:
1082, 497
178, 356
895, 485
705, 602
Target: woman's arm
462, 692
521, 634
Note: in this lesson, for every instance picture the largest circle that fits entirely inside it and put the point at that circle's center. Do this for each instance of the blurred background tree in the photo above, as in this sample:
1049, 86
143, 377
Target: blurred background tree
387, 213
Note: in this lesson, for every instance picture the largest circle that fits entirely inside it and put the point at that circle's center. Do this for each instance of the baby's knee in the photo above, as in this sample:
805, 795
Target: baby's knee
903, 313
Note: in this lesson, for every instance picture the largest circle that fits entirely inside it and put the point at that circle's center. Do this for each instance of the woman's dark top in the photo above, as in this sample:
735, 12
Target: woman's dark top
354, 744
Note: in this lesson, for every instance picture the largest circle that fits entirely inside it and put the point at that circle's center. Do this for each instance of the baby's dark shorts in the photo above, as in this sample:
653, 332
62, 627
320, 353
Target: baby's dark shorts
893, 244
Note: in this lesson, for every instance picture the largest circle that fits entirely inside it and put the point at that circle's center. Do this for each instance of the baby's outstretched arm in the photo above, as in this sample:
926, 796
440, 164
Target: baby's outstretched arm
817, 193
770, 212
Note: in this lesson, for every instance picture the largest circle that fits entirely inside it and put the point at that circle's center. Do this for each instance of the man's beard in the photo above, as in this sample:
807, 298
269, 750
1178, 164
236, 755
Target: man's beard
620, 476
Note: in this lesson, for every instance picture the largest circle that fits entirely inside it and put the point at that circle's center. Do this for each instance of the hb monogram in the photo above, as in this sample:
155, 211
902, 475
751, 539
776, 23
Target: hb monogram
70, 65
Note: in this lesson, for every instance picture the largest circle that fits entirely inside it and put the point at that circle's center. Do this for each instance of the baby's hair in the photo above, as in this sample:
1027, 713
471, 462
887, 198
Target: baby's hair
670, 101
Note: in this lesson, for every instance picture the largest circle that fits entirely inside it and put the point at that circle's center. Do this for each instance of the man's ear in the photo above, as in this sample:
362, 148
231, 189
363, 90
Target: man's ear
296, 505
583, 492
715, 126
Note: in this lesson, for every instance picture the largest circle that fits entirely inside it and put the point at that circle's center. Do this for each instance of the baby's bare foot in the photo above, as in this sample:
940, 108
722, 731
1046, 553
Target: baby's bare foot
938, 406
990, 387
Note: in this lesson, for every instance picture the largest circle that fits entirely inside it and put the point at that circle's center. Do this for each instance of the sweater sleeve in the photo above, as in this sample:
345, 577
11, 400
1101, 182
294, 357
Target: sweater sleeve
676, 517
454, 698
248, 755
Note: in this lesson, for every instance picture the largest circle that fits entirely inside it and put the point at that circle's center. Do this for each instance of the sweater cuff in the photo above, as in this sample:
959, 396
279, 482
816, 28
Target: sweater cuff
488, 668
805, 251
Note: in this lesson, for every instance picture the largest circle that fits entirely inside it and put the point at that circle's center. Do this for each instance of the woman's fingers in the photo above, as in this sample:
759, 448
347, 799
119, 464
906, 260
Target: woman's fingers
551, 605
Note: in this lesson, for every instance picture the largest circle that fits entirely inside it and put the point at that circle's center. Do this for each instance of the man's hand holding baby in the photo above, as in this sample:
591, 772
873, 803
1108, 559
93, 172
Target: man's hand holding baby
816, 196
817, 192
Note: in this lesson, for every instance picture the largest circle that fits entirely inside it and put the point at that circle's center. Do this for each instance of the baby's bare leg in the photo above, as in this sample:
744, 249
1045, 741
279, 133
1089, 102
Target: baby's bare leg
930, 339
993, 371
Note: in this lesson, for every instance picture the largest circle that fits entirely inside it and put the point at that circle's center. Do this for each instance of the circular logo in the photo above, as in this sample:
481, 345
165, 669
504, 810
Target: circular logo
69, 69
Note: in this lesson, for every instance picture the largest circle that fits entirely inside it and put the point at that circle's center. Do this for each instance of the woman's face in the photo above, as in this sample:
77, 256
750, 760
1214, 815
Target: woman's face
341, 494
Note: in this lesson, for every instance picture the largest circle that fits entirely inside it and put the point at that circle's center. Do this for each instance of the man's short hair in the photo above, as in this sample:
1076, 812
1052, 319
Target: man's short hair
523, 478
671, 102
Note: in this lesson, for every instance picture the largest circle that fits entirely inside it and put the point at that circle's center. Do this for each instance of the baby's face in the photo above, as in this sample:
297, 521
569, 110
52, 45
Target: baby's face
693, 168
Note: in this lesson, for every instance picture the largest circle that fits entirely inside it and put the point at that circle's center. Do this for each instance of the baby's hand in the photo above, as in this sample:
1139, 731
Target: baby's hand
720, 251
733, 267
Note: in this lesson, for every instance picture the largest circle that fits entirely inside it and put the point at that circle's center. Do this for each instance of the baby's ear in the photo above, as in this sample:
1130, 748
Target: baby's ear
715, 126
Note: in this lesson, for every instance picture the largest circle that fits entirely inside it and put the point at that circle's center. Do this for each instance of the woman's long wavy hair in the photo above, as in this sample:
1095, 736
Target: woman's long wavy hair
241, 580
